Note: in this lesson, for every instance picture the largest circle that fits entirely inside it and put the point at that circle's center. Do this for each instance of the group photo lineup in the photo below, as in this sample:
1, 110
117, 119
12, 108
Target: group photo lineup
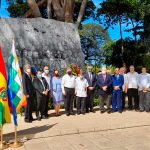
74, 74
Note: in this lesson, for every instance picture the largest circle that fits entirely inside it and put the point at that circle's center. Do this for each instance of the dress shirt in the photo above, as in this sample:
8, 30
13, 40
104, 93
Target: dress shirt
47, 78
125, 81
81, 87
144, 81
104, 76
132, 80
68, 81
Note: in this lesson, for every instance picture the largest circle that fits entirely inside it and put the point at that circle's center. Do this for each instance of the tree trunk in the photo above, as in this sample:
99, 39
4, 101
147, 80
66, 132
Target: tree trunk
70, 4
134, 31
34, 8
120, 25
59, 9
49, 9
81, 13
28, 14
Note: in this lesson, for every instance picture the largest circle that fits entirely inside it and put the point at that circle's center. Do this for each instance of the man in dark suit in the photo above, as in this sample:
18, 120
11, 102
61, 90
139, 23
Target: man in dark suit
91, 78
29, 92
104, 83
42, 88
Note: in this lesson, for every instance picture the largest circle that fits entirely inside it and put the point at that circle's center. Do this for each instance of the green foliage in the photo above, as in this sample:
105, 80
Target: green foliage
93, 38
133, 53
146, 60
128, 12
18, 10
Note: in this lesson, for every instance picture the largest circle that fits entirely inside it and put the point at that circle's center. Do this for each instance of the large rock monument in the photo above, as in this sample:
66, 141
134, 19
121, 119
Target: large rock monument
42, 42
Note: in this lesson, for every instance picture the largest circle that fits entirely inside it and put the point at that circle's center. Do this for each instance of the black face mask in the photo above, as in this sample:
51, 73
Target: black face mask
56, 75
69, 73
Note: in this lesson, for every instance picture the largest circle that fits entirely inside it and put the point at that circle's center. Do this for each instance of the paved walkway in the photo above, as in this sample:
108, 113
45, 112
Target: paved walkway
126, 131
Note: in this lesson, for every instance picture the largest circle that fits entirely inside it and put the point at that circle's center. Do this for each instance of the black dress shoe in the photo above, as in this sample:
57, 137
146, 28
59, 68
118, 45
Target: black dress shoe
102, 111
39, 118
109, 111
43, 117
92, 111
120, 112
47, 115
72, 113
67, 114
28, 121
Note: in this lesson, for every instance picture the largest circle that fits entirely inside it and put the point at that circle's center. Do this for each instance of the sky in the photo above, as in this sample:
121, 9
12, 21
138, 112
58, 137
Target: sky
113, 33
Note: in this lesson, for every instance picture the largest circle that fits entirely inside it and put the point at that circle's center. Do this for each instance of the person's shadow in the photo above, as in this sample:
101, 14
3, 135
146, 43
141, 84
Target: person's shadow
29, 133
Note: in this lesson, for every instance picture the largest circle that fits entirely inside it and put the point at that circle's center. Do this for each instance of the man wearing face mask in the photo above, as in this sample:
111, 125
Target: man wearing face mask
91, 78
68, 89
81, 93
42, 88
47, 77
29, 92
104, 83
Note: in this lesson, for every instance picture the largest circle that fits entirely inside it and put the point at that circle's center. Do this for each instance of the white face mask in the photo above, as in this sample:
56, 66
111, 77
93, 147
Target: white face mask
47, 71
39, 76
28, 70
103, 72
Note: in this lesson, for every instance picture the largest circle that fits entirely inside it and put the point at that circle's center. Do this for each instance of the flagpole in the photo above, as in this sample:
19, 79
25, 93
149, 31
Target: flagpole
2, 145
16, 143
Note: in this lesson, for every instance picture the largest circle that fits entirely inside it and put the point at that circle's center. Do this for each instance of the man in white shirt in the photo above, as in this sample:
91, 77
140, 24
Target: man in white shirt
81, 92
68, 89
144, 93
47, 77
132, 88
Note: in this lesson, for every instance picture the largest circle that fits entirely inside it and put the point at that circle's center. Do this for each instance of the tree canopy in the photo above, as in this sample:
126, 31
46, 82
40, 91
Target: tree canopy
93, 38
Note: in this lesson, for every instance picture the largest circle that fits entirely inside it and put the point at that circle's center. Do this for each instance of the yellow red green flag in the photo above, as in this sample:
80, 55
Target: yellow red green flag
5, 116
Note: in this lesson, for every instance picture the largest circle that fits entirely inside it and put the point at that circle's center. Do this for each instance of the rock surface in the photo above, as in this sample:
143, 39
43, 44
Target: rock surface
42, 42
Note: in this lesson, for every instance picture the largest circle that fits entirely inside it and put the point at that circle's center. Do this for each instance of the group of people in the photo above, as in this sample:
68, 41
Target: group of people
112, 91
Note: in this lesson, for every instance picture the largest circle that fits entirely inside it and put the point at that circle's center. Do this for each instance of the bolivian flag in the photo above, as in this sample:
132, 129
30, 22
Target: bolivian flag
5, 116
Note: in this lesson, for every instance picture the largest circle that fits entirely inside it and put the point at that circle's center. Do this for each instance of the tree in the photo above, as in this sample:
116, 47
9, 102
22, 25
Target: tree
93, 38
81, 13
62, 10
133, 54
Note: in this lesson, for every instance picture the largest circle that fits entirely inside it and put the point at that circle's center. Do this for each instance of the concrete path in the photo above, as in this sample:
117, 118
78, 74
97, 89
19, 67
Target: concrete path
94, 131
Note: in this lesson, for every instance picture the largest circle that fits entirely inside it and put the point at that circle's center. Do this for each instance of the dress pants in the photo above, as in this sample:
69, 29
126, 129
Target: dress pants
29, 108
89, 100
133, 94
144, 102
123, 100
117, 101
105, 98
46, 105
147, 103
80, 104
41, 105
69, 100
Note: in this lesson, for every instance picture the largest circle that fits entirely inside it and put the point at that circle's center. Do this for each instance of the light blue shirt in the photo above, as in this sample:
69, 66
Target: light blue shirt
144, 81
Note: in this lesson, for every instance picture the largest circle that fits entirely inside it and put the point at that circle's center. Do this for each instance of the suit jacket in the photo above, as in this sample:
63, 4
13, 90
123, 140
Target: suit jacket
39, 86
118, 82
107, 82
27, 83
93, 82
